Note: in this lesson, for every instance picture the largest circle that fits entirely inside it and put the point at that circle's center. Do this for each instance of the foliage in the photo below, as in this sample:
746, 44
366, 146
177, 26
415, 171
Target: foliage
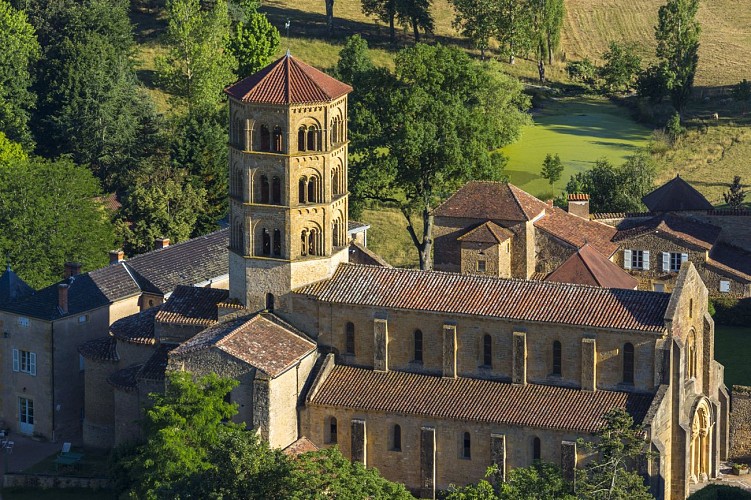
552, 168
621, 67
424, 131
10, 151
730, 311
160, 203
253, 42
735, 195
583, 71
197, 66
545, 31
20, 52
539, 481
674, 129
742, 91
619, 446
513, 28
477, 21
720, 492
415, 13
45, 208
652, 83
677, 33
385, 11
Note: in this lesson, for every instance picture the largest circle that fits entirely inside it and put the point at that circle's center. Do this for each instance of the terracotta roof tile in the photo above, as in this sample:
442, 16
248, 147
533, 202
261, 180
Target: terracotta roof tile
137, 328
263, 340
154, 368
101, 349
476, 400
577, 231
578, 197
675, 195
491, 201
302, 445
674, 226
452, 293
587, 266
189, 305
288, 81
489, 232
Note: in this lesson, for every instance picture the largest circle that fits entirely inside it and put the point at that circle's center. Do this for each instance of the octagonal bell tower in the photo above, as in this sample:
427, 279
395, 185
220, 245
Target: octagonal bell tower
287, 180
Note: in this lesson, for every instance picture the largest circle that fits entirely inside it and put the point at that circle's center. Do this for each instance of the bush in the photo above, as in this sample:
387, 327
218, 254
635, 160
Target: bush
583, 71
674, 129
621, 67
652, 83
742, 91
720, 492
732, 312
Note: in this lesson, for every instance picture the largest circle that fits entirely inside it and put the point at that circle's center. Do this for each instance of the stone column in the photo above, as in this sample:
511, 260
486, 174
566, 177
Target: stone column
519, 361
589, 364
568, 460
498, 457
359, 443
449, 351
427, 462
380, 347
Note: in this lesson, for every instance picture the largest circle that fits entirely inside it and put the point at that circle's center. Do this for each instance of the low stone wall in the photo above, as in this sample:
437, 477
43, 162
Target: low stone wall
740, 423
41, 481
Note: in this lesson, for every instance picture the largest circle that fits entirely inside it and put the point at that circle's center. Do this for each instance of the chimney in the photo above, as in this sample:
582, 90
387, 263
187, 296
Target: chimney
72, 269
578, 204
549, 202
116, 256
62, 297
160, 243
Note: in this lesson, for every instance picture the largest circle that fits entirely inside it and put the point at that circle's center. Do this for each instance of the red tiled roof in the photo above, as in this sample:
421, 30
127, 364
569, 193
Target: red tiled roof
110, 201
587, 266
578, 197
477, 400
453, 293
577, 231
488, 232
101, 349
674, 195
288, 81
681, 228
302, 445
137, 328
491, 201
189, 305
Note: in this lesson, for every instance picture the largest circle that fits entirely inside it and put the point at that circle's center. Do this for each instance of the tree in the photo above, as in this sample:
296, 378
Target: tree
10, 151
384, 10
197, 66
677, 33
415, 13
162, 202
477, 21
742, 91
20, 52
429, 128
513, 28
552, 168
253, 42
329, 17
622, 64
45, 208
652, 83
735, 195
539, 481
545, 31
620, 445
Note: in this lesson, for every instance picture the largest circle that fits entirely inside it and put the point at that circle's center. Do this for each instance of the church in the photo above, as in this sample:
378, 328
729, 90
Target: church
429, 376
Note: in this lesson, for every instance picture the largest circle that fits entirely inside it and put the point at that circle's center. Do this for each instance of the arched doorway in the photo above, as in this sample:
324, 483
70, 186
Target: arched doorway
701, 443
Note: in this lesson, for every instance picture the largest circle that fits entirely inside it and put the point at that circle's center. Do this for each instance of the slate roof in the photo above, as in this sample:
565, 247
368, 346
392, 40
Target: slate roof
491, 201
189, 305
125, 379
288, 81
488, 232
263, 340
475, 400
154, 368
674, 227
731, 259
12, 287
101, 349
137, 328
577, 231
587, 266
675, 195
452, 293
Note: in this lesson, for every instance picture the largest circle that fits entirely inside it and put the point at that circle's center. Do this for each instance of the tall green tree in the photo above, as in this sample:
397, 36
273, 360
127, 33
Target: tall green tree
622, 65
514, 28
552, 168
539, 481
20, 52
477, 21
197, 66
416, 14
385, 11
735, 195
50, 214
545, 31
253, 41
438, 122
677, 33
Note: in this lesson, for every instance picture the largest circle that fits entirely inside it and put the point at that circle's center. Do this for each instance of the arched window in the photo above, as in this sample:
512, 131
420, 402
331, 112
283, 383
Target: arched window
237, 187
301, 139
335, 182
313, 189
628, 363
312, 242
277, 243
313, 139
335, 233
270, 301
264, 189
350, 338
467, 446
278, 141
487, 351
418, 346
536, 449
332, 431
303, 189
265, 138
396, 441
691, 356
556, 358
304, 243
266, 242
237, 236
276, 191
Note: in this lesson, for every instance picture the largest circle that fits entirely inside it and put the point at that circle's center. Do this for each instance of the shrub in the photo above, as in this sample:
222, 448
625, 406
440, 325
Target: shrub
674, 129
621, 67
720, 492
652, 83
742, 91
583, 71
732, 312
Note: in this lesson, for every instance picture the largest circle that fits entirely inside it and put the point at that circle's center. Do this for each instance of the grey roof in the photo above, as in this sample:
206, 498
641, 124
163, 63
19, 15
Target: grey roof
675, 195
12, 287
83, 295
356, 227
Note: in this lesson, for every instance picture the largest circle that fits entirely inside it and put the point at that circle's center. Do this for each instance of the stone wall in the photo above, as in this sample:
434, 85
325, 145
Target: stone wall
550, 252
497, 258
99, 410
740, 423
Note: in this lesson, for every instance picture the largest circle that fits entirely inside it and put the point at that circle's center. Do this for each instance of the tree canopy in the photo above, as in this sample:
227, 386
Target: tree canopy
677, 33
253, 41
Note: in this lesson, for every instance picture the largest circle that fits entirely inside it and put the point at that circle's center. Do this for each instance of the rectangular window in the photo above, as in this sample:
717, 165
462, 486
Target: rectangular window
724, 286
675, 261
481, 266
24, 322
636, 259
25, 362
83, 318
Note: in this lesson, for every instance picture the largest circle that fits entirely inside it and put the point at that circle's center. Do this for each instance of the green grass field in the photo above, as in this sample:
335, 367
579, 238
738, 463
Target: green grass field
732, 348
580, 131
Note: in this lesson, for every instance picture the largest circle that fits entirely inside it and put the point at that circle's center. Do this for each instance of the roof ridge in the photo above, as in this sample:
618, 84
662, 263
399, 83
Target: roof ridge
301, 66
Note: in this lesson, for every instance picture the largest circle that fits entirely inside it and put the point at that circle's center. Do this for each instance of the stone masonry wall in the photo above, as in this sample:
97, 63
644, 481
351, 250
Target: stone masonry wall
740, 423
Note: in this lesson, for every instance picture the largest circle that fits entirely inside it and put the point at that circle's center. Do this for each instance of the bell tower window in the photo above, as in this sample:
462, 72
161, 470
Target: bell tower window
276, 191
278, 140
264, 189
265, 138
277, 243
304, 243
303, 189
301, 139
266, 237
